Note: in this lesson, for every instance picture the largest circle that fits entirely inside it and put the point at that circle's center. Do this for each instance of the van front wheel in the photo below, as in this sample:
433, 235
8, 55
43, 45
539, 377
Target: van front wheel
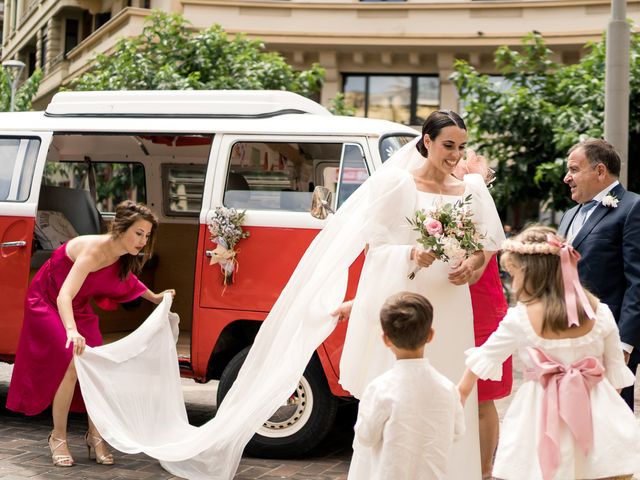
300, 424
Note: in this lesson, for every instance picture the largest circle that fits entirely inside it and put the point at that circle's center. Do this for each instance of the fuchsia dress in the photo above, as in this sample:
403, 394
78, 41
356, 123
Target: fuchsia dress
489, 308
41, 358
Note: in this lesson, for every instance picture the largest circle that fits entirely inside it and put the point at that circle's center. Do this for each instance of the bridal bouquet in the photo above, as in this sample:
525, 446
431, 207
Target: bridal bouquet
448, 230
226, 231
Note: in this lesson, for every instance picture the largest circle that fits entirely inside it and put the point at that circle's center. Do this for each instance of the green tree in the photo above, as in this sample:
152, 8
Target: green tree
338, 106
24, 93
529, 121
170, 55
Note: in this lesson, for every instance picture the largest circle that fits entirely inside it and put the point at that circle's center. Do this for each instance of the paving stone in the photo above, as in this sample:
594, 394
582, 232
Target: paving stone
24, 453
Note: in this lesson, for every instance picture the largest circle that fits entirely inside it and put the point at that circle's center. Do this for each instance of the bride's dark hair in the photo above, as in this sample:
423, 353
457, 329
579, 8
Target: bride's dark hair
434, 124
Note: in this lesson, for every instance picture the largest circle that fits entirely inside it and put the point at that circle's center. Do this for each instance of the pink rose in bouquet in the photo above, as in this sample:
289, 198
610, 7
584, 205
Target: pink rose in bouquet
433, 226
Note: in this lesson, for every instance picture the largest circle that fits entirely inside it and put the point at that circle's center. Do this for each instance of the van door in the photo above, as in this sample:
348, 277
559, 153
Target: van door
273, 180
22, 158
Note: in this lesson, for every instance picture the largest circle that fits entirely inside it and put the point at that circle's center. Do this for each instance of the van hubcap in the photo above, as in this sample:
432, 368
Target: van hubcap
292, 415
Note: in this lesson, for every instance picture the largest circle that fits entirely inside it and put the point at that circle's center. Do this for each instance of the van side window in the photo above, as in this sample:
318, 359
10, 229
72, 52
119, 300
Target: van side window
17, 163
184, 185
115, 181
280, 176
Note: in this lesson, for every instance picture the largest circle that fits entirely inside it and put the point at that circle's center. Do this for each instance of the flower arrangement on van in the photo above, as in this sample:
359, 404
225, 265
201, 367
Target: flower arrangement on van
448, 230
226, 231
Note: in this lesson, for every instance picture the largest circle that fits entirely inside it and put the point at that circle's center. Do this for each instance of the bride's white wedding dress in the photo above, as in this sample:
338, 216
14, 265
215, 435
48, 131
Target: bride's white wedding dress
132, 387
385, 271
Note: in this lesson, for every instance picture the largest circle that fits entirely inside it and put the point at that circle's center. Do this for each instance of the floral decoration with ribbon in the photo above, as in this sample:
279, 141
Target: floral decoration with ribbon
226, 231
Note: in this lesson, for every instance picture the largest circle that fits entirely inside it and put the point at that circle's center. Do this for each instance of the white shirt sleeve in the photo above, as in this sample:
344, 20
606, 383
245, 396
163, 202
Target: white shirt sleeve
373, 413
459, 428
616, 369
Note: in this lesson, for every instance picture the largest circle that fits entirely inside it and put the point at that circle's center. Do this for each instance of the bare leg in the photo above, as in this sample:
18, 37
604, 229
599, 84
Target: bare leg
60, 407
489, 425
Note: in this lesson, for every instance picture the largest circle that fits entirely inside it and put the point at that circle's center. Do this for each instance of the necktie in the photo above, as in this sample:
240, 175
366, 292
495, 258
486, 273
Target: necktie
581, 216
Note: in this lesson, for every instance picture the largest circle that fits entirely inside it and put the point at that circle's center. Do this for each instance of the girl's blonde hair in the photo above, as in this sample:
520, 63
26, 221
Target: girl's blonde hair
541, 270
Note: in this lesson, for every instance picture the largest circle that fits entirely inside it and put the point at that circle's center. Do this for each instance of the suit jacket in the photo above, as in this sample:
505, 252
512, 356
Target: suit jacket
609, 245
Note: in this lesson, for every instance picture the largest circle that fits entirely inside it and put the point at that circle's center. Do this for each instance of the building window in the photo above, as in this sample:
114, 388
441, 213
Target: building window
71, 34
44, 40
101, 19
406, 99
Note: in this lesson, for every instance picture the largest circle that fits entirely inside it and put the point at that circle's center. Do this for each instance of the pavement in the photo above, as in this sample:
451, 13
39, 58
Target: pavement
24, 453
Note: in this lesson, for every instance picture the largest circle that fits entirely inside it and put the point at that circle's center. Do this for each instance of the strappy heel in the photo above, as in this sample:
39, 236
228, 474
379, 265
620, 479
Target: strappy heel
106, 459
59, 460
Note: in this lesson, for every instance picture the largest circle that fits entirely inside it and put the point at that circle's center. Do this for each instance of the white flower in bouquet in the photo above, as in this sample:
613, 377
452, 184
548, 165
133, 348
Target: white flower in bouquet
453, 251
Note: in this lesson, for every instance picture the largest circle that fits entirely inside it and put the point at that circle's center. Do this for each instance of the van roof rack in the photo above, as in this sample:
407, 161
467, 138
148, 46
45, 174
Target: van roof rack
182, 103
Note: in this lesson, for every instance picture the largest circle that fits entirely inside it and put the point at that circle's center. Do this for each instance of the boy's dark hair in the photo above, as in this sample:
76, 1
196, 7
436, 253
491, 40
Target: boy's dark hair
406, 319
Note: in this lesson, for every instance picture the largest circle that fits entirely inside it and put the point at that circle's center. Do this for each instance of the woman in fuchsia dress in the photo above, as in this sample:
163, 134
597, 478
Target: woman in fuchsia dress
59, 320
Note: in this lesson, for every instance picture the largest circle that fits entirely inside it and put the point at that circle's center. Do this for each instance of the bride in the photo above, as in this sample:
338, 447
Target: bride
393, 253
153, 419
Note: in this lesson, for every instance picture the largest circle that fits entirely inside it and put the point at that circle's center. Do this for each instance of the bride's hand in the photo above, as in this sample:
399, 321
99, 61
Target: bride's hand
422, 258
463, 273
343, 311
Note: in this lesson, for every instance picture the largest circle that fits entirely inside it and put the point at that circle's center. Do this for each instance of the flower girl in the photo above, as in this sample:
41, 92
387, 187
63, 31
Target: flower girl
566, 421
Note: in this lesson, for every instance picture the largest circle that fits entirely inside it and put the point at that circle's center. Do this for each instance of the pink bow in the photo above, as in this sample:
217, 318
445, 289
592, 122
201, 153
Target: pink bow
566, 397
573, 291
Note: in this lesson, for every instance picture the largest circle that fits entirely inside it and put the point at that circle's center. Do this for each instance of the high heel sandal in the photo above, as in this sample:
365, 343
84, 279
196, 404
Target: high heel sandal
106, 459
59, 460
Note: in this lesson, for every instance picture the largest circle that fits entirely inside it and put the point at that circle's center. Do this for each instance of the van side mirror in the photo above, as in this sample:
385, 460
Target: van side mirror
321, 203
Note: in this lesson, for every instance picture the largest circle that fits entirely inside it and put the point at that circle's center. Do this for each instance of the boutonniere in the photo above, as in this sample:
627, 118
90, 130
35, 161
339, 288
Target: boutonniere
610, 200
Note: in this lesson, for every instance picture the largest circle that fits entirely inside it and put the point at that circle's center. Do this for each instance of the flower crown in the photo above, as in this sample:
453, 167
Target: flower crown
522, 248
574, 294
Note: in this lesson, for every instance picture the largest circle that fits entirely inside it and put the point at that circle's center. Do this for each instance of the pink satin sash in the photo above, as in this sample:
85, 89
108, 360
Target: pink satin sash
567, 398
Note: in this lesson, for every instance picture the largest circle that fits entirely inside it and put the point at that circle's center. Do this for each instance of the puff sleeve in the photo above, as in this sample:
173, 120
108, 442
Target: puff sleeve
485, 213
486, 361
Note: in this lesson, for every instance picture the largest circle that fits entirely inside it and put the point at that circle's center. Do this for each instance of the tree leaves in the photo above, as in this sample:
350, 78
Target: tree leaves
528, 123
169, 55
24, 93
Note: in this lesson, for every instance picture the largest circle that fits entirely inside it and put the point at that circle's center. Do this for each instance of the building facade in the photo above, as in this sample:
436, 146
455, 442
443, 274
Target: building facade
391, 58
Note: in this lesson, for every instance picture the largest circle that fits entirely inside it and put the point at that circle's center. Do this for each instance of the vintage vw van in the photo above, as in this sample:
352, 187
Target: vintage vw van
185, 153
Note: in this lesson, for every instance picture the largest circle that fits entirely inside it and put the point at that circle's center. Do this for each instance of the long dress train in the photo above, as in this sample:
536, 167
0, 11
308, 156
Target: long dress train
132, 387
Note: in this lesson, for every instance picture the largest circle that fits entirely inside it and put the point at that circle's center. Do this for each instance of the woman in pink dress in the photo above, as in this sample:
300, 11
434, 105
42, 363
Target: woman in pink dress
59, 320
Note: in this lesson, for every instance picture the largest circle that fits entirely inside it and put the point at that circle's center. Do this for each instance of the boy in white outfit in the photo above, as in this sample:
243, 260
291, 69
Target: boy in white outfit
409, 416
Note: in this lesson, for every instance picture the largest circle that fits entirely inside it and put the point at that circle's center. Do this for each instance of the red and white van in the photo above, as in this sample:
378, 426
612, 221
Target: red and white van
185, 153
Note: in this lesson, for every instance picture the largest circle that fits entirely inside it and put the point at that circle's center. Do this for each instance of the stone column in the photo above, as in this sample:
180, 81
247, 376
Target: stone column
7, 19
19, 6
329, 61
448, 92
54, 48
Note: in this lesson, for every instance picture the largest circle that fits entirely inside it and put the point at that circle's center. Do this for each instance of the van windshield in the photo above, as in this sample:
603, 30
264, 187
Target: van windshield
390, 144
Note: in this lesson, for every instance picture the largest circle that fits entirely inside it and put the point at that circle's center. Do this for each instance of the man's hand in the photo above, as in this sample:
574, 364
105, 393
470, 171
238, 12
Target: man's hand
627, 355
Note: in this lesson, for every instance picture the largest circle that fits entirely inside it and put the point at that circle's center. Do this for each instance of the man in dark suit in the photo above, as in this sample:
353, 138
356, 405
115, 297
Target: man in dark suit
605, 228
